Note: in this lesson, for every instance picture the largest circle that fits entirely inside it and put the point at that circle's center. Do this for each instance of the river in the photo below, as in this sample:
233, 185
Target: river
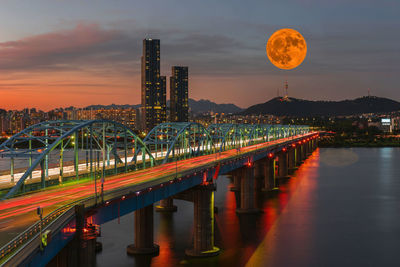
340, 208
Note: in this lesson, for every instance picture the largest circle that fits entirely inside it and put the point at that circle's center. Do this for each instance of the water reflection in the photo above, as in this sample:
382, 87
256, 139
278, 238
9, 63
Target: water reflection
322, 216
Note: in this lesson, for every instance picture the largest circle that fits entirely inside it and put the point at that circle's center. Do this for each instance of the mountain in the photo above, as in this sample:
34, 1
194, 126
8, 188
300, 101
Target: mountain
203, 106
301, 108
196, 107
112, 106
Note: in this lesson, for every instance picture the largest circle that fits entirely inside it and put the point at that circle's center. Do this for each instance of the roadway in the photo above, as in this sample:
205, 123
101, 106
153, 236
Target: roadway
17, 214
69, 170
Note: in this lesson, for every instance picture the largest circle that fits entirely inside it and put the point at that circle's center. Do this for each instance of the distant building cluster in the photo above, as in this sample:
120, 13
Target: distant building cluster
13, 121
212, 117
154, 90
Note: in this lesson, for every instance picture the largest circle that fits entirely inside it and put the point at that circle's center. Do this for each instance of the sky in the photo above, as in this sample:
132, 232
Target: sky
60, 53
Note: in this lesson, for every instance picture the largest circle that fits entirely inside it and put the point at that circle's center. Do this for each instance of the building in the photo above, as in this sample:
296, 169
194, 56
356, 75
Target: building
179, 107
153, 85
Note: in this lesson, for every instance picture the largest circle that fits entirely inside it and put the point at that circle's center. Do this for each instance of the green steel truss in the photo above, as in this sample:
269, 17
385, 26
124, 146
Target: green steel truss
178, 140
111, 147
101, 140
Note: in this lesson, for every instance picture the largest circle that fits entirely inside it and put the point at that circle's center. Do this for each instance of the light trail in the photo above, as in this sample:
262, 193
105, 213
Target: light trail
23, 208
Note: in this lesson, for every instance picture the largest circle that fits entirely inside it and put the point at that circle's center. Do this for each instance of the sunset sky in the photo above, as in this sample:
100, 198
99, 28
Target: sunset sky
76, 53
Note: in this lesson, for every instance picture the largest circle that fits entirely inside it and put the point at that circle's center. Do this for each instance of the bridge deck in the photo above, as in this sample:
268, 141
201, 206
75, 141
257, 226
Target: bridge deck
17, 214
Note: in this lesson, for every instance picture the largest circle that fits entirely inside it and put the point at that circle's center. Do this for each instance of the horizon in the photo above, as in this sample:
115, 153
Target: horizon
197, 100
93, 56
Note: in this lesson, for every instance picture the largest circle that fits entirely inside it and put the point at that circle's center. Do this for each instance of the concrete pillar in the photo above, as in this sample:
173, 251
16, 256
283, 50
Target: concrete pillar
291, 160
247, 191
203, 234
81, 251
236, 180
283, 165
166, 205
299, 155
269, 175
144, 236
304, 150
259, 169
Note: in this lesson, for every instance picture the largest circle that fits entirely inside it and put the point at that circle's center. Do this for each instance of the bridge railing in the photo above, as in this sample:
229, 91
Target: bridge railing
20, 241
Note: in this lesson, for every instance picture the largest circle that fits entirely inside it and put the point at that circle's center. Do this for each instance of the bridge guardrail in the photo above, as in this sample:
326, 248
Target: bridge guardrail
25, 237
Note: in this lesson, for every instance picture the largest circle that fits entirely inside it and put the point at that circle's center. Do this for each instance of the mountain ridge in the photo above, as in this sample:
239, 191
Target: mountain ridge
196, 106
279, 106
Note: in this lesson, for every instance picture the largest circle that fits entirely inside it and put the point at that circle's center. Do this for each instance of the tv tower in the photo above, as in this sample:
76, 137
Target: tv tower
286, 89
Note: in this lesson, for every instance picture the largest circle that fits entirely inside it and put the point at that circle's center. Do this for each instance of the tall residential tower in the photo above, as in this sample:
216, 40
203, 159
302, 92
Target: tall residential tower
153, 85
179, 107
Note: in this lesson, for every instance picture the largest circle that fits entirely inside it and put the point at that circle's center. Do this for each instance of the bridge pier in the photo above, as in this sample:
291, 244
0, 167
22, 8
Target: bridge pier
203, 244
269, 175
247, 191
304, 151
283, 165
144, 236
291, 160
81, 251
299, 155
236, 181
166, 205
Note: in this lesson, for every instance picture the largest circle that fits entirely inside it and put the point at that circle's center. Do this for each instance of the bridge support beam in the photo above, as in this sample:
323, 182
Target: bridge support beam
247, 191
283, 165
144, 235
304, 151
236, 181
291, 160
269, 175
203, 245
299, 155
166, 205
81, 251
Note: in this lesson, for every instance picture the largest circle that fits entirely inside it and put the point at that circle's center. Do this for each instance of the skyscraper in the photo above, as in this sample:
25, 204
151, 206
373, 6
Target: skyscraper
179, 107
153, 85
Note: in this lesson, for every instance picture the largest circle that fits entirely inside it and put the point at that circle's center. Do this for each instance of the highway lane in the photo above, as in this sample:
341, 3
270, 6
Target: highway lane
69, 171
17, 214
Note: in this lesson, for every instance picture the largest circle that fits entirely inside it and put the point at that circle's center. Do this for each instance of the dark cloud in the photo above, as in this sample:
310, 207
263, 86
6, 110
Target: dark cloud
93, 49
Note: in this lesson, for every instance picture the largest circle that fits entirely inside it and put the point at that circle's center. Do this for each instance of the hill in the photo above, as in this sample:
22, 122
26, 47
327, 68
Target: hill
196, 107
303, 108
203, 106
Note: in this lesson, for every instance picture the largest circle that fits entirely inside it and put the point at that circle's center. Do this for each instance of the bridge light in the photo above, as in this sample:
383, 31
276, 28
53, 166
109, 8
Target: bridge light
270, 155
284, 149
293, 145
123, 197
137, 193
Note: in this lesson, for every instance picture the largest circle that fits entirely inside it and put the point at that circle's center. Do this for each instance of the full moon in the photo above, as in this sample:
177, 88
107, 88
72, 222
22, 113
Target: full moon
286, 49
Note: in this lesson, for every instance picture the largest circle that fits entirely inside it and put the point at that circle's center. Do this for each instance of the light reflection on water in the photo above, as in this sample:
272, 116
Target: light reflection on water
325, 215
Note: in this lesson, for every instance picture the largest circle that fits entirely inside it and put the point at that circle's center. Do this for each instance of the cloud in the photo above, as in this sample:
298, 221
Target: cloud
55, 50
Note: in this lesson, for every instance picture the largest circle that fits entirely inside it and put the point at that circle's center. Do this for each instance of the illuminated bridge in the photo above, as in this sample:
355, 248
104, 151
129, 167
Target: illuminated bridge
85, 173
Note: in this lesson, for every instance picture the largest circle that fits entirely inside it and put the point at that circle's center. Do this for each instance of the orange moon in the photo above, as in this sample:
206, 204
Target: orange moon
286, 49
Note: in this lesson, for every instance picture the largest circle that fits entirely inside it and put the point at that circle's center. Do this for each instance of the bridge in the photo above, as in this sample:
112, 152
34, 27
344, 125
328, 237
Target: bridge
113, 172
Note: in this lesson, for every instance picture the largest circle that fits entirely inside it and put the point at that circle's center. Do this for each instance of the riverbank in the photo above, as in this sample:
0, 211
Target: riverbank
360, 141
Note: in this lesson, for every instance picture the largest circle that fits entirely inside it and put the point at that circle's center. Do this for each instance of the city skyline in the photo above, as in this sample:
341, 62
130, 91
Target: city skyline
88, 59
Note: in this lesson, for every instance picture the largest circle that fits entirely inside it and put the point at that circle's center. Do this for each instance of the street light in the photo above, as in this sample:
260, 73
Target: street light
39, 212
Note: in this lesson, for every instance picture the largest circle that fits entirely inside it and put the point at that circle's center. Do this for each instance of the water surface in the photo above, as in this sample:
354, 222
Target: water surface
341, 208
